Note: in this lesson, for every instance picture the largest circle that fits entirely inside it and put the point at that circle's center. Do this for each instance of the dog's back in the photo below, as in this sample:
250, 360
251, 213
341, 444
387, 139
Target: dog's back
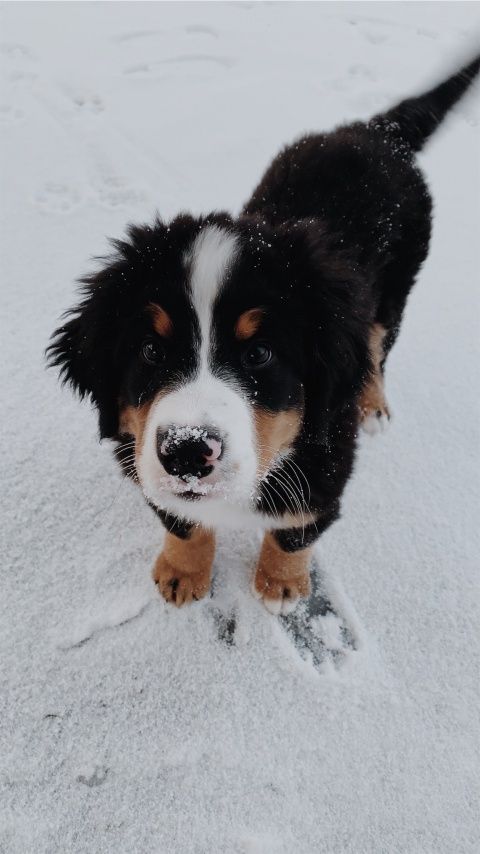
362, 179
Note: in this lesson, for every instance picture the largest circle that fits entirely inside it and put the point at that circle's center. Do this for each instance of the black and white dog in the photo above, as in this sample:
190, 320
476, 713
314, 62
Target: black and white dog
232, 360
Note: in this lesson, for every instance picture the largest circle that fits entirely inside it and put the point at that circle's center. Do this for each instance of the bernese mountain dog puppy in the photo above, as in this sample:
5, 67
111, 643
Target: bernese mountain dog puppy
232, 360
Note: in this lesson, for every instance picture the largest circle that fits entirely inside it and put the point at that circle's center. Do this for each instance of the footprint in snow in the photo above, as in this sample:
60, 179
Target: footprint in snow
14, 50
201, 29
114, 193
224, 61
20, 75
429, 34
135, 35
147, 68
88, 103
10, 115
56, 198
225, 624
363, 71
471, 120
375, 37
96, 777
316, 628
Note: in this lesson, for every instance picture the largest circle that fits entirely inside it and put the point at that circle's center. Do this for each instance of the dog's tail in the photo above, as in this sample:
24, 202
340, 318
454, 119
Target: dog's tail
417, 118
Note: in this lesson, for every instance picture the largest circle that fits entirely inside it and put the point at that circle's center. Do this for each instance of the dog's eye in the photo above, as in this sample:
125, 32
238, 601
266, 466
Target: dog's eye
257, 355
152, 352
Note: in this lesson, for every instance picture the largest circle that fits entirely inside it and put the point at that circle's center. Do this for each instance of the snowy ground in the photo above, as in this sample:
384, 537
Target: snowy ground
128, 726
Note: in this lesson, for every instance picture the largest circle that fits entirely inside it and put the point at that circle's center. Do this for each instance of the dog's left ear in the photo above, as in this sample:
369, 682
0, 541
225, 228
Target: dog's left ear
336, 314
85, 348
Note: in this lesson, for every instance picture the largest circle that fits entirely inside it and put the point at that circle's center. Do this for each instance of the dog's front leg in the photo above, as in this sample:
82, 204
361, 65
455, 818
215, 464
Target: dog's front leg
282, 575
183, 569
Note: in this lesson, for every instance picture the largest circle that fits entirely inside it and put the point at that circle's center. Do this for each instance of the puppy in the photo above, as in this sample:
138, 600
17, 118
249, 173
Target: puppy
232, 360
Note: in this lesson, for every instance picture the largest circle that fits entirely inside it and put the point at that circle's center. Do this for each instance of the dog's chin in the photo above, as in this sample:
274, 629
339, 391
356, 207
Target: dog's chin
194, 489
201, 502
163, 489
173, 492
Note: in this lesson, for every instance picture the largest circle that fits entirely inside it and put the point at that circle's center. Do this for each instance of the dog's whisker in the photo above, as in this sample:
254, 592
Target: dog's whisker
294, 496
283, 480
298, 498
271, 487
278, 463
270, 503
288, 460
300, 493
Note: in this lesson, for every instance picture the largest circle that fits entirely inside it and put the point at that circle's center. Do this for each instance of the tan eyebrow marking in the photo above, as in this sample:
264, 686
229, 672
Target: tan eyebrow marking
248, 323
162, 323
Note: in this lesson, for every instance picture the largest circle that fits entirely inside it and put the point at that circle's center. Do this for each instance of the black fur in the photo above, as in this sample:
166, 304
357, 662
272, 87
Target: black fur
295, 539
417, 118
180, 527
332, 240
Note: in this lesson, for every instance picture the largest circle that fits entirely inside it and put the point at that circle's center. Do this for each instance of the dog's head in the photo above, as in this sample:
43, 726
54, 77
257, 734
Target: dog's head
215, 346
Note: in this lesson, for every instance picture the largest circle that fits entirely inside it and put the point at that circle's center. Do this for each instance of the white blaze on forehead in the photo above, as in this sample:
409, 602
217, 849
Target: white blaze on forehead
212, 255
205, 402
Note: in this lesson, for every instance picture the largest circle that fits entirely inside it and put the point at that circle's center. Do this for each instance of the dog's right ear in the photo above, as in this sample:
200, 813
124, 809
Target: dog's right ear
85, 348
90, 347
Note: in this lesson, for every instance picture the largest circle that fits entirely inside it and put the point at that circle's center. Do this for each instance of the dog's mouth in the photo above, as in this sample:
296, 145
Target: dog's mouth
191, 496
191, 488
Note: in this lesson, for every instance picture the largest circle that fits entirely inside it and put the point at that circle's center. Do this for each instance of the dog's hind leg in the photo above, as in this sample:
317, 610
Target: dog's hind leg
394, 287
374, 409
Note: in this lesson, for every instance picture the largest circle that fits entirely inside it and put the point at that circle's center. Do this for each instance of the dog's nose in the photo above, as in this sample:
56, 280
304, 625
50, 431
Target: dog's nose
189, 451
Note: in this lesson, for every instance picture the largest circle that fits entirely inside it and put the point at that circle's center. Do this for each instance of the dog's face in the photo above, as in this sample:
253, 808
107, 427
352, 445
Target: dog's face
211, 349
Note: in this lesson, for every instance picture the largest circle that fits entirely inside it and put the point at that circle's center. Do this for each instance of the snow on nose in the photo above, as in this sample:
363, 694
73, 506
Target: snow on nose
175, 437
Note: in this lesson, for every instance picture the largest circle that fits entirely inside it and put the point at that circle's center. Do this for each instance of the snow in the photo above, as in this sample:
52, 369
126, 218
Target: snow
128, 726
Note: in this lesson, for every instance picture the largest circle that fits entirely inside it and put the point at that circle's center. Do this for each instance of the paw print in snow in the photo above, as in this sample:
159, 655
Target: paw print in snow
117, 193
88, 103
57, 198
10, 115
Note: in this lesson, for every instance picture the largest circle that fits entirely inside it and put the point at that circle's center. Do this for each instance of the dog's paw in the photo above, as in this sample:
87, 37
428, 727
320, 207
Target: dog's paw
376, 421
374, 411
178, 587
280, 596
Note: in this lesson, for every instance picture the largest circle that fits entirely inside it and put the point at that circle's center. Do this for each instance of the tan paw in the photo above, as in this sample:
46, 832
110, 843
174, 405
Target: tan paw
280, 596
374, 411
178, 587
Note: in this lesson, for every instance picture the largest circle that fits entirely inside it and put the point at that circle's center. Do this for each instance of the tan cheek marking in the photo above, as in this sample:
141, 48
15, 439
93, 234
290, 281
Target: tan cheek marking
133, 420
162, 323
275, 432
248, 323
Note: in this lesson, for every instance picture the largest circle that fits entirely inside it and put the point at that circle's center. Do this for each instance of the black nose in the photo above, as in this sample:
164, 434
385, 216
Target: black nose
188, 451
